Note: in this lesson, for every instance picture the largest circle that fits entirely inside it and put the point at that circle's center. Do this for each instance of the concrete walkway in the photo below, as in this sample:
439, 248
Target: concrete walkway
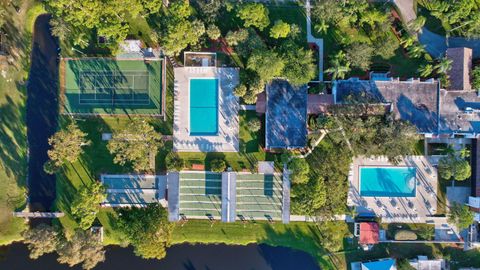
317, 41
247, 108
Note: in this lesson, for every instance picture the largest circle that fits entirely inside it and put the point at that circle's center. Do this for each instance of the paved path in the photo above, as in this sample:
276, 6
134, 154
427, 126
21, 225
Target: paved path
247, 107
42, 113
406, 9
317, 41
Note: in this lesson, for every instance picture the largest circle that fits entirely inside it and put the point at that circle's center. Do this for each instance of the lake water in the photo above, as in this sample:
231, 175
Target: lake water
179, 257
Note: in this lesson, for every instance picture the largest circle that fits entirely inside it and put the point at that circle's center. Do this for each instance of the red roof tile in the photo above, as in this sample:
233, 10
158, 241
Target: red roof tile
369, 233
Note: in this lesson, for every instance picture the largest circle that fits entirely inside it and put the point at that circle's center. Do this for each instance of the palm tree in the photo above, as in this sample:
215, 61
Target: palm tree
426, 70
408, 41
339, 67
416, 50
417, 24
444, 65
321, 27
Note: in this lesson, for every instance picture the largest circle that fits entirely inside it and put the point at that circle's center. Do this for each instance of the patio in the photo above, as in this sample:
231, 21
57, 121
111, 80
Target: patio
416, 209
226, 140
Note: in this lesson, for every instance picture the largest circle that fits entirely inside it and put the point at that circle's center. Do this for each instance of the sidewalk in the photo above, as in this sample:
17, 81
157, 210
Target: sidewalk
317, 41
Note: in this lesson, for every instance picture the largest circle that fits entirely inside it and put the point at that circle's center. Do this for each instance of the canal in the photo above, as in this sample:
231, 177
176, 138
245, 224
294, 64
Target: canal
42, 113
179, 257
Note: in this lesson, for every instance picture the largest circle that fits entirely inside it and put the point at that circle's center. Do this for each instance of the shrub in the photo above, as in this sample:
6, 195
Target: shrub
280, 30
218, 165
240, 90
476, 78
300, 170
404, 235
254, 124
174, 162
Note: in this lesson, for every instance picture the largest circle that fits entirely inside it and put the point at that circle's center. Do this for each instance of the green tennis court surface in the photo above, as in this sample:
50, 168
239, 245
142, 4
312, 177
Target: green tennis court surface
109, 86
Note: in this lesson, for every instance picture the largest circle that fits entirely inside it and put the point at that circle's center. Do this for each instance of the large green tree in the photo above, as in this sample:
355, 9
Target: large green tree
42, 239
66, 146
280, 29
254, 14
266, 63
460, 215
83, 248
137, 143
299, 170
147, 229
109, 18
453, 166
86, 204
300, 67
359, 55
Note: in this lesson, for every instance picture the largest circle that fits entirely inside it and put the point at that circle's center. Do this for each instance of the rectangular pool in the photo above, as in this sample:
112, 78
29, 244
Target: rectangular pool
204, 106
387, 181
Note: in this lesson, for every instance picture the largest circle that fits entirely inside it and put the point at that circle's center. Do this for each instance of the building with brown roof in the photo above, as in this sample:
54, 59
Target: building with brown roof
459, 74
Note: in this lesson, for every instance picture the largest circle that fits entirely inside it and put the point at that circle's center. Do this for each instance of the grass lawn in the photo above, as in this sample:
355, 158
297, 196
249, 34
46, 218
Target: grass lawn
13, 131
392, 228
291, 15
250, 150
94, 161
298, 235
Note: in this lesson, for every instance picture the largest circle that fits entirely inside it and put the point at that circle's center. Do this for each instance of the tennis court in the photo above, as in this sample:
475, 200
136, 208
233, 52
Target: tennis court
200, 194
259, 196
110, 86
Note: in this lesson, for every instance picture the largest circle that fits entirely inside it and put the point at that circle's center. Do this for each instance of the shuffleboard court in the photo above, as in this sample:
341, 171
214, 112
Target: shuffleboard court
111, 86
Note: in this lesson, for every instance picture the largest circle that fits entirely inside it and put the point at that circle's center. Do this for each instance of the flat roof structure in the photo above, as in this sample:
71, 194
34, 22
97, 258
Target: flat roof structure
382, 264
369, 233
286, 115
434, 111
225, 106
459, 74
134, 190
413, 101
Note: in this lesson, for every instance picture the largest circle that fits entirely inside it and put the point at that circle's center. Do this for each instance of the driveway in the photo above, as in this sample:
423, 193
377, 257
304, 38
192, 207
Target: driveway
42, 113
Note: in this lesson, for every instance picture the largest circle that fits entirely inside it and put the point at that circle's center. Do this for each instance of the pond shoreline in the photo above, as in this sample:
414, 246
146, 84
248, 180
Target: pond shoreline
182, 256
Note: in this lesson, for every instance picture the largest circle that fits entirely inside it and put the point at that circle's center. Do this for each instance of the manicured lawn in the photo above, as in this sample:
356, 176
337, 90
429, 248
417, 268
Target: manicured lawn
94, 161
13, 132
250, 150
289, 14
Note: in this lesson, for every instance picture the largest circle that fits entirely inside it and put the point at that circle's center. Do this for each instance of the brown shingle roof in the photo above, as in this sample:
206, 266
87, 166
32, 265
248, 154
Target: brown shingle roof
461, 67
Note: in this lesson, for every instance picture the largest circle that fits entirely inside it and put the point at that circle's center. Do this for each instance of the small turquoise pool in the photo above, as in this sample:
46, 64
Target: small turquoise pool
388, 181
203, 106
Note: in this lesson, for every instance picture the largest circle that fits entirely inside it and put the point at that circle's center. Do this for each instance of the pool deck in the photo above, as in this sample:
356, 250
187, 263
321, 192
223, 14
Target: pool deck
416, 209
228, 105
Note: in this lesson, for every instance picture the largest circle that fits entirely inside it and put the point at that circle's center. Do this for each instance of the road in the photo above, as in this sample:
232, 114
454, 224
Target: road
42, 113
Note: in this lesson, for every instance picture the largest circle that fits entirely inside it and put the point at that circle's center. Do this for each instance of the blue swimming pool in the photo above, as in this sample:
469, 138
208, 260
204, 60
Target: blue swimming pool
203, 106
387, 181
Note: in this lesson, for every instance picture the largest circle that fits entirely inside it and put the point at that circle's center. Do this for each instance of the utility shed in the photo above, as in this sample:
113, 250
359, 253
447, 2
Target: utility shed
461, 67
286, 115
